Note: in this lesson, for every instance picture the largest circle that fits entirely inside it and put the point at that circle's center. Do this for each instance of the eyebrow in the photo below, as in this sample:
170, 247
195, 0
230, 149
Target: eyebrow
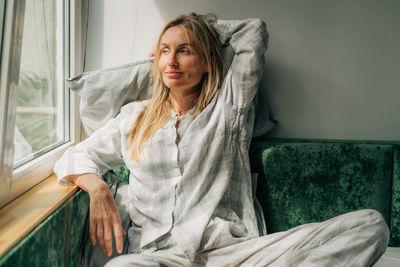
184, 44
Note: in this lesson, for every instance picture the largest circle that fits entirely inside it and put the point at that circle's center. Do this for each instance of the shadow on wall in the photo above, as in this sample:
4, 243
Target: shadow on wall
95, 38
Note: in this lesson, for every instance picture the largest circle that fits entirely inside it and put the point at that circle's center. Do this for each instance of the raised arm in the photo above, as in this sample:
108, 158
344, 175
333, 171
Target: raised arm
248, 39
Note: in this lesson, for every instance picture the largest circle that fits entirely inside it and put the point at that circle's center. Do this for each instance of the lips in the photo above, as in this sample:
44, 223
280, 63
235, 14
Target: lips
173, 74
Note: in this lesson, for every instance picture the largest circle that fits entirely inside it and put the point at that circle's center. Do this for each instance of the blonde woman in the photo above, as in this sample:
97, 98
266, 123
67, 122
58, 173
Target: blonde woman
190, 196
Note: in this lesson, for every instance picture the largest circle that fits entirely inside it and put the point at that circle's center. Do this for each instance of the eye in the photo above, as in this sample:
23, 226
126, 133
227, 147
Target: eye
185, 51
164, 51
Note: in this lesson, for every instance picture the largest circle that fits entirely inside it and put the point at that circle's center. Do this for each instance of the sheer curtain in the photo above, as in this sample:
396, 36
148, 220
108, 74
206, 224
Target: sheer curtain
36, 118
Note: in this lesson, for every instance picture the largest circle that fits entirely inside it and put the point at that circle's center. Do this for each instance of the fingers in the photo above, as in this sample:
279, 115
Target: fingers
103, 233
104, 220
119, 233
105, 238
108, 240
102, 228
100, 236
92, 233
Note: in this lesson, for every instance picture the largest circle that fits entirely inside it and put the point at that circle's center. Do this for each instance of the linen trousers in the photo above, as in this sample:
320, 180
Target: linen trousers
356, 238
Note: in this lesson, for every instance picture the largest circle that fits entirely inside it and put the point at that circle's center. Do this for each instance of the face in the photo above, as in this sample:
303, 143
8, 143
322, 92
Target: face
181, 63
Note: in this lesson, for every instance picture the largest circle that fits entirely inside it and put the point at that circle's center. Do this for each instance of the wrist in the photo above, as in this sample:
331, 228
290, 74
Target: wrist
98, 187
91, 183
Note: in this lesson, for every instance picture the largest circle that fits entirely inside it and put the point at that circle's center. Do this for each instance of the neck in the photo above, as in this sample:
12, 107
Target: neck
181, 103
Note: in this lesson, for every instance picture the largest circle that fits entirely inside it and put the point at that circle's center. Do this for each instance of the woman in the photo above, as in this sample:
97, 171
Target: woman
190, 196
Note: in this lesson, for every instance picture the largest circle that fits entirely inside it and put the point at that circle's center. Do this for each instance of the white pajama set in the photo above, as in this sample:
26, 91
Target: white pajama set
190, 197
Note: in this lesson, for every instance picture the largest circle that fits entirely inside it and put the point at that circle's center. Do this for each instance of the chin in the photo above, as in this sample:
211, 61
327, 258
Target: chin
173, 84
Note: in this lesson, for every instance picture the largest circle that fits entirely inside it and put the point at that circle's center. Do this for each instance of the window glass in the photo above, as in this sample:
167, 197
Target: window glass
40, 121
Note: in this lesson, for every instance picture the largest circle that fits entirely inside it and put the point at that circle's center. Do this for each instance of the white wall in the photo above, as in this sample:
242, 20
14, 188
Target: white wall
332, 68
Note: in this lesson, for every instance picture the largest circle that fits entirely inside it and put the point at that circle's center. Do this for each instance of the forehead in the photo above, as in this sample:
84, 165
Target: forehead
178, 35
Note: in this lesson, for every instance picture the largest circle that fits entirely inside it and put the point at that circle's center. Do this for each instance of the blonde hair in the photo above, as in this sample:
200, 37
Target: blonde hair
158, 111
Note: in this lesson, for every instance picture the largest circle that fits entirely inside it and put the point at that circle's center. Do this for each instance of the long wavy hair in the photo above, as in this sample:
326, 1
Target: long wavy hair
158, 112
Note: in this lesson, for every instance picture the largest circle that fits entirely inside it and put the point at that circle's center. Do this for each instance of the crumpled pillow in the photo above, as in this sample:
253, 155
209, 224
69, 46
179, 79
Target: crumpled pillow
103, 93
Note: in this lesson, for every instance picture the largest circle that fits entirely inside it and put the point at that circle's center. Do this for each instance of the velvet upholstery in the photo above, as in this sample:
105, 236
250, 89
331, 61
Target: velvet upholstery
122, 173
395, 218
56, 241
313, 181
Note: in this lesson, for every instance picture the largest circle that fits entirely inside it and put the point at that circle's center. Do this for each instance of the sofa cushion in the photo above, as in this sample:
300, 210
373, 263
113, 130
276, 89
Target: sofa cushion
308, 182
122, 173
395, 214
104, 92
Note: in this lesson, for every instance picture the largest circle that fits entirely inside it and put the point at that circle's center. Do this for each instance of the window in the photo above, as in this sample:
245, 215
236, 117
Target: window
37, 115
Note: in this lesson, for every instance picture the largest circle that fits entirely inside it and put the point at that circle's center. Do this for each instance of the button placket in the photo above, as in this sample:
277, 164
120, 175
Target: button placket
175, 155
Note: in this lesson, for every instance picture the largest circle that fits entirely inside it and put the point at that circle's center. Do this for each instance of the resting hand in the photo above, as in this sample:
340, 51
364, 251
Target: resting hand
104, 215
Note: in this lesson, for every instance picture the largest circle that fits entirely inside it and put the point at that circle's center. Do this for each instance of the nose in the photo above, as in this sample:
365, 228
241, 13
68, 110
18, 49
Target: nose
172, 60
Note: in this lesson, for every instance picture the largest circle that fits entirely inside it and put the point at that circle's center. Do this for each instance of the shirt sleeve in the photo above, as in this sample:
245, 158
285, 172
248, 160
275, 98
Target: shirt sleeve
97, 154
248, 39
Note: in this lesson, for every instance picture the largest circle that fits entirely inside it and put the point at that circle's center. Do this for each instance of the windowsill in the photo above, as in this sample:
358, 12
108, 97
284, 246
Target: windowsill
24, 213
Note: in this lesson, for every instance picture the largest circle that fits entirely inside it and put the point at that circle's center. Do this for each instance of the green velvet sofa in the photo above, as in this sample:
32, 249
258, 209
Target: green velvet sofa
302, 181
299, 181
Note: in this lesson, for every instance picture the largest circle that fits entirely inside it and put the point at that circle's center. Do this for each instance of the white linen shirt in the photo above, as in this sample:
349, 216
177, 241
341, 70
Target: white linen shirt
197, 189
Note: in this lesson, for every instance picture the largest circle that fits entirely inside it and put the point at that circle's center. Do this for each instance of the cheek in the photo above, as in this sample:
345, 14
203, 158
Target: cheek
161, 63
196, 67
198, 72
201, 66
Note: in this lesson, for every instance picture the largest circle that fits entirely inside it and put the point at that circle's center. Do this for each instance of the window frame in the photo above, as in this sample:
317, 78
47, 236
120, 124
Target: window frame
14, 182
